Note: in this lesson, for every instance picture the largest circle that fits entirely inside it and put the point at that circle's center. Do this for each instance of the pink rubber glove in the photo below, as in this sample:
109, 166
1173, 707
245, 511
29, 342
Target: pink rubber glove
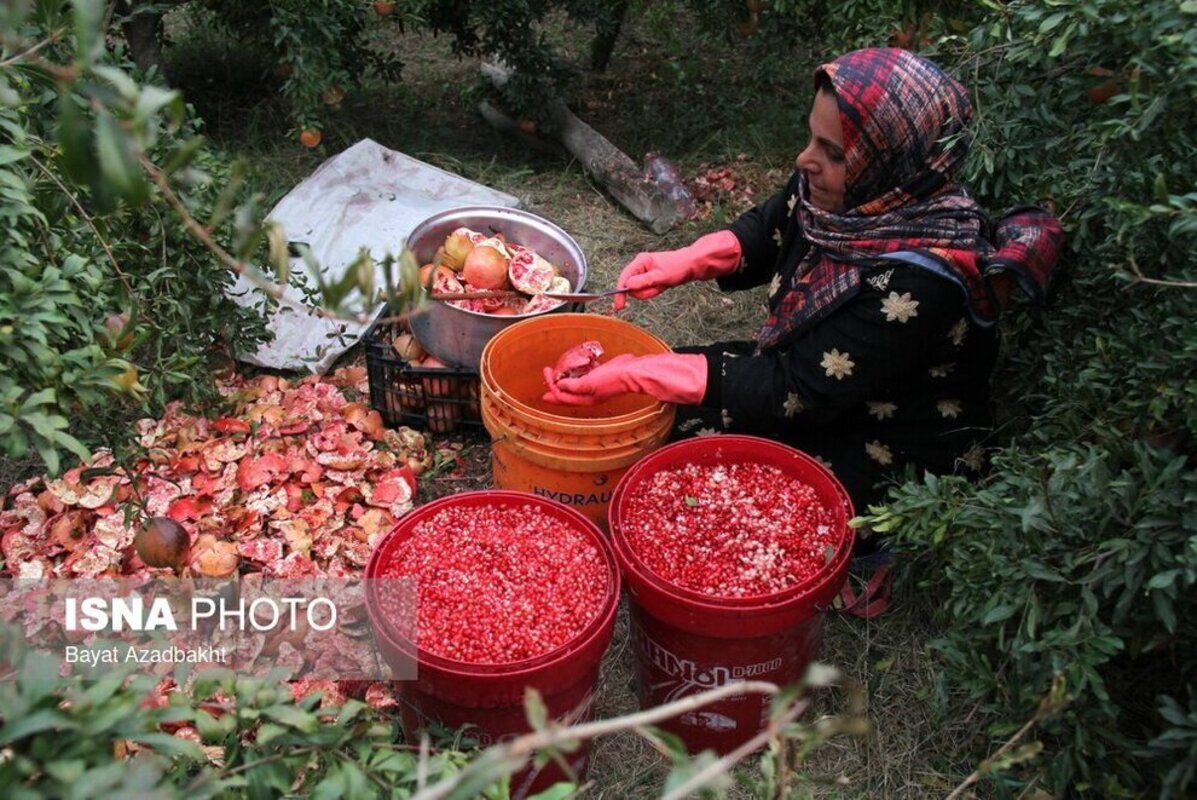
649, 274
668, 377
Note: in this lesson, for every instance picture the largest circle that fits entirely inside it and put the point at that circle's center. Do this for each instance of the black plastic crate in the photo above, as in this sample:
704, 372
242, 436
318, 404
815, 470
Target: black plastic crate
436, 400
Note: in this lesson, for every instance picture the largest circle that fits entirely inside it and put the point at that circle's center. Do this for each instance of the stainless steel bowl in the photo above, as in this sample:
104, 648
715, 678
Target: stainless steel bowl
457, 336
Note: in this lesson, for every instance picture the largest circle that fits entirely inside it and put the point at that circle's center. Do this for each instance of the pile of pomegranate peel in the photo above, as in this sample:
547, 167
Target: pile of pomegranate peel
299, 482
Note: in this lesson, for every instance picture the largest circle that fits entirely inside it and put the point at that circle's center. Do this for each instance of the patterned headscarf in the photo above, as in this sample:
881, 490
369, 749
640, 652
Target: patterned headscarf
905, 137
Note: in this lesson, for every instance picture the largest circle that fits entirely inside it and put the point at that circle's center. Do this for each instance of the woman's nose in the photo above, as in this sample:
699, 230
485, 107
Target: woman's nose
804, 161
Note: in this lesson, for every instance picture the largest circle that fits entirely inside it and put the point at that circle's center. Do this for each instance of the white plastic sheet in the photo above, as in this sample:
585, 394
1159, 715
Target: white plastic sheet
366, 196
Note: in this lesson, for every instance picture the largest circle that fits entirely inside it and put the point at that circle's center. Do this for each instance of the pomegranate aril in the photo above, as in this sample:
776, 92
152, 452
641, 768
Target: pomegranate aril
737, 530
497, 584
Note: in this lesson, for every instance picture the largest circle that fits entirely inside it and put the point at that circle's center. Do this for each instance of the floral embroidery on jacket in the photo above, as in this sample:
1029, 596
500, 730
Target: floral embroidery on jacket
793, 404
879, 453
880, 281
949, 408
899, 307
882, 409
956, 334
837, 365
941, 370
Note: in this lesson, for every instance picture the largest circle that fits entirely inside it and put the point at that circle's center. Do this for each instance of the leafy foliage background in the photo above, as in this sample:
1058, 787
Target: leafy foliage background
1078, 556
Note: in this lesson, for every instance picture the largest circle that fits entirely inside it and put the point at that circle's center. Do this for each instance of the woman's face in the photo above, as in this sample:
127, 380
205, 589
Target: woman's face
823, 158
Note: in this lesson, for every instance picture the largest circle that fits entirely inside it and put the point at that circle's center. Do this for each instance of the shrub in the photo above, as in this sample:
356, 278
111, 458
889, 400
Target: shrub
1078, 555
121, 234
100, 294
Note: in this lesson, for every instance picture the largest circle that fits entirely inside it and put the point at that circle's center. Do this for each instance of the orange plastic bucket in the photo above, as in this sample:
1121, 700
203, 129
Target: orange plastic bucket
574, 455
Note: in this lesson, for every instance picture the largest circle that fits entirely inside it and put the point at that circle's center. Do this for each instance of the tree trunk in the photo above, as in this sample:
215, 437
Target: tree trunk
608, 165
143, 29
607, 33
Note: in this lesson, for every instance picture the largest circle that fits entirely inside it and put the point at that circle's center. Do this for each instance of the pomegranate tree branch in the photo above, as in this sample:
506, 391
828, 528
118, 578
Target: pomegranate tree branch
523, 746
727, 762
87, 219
200, 232
1139, 277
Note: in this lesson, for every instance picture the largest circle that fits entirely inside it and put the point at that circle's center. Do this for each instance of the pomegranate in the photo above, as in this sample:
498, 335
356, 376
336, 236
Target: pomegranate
445, 280
540, 304
457, 248
498, 242
426, 274
163, 543
577, 360
486, 268
530, 273
436, 387
443, 417
408, 348
119, 332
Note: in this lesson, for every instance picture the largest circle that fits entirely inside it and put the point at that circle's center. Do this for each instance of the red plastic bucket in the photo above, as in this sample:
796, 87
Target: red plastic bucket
490, 697
685, 642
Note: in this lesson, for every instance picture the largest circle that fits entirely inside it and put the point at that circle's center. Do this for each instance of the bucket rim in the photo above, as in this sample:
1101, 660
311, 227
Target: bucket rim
633, 565
560, 423
487, 380
586, 637
590, 439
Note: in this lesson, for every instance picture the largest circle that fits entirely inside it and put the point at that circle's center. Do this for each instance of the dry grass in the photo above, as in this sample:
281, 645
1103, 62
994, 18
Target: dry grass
641, 104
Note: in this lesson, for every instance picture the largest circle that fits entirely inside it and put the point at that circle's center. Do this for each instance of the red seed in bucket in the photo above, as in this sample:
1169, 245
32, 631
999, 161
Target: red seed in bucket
737, 530
498, 584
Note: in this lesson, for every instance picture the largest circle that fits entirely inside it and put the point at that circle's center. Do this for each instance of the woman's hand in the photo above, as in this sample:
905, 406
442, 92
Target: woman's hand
649, 274
668, 377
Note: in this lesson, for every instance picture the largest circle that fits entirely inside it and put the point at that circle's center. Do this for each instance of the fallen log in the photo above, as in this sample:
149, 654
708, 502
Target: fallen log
631, 185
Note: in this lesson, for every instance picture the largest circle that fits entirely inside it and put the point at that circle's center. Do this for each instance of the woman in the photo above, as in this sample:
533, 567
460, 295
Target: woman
885, 281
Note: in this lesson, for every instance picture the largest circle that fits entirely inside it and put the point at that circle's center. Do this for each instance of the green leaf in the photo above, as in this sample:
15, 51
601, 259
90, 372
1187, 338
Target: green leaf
998, 614
154, 99
268, 780
89, 18
332, 786
37, 722
118, 164
212, 728
1164, 580
299, 719
68, 442
170, 745
558, 791
228, 196
268, 732
48, 454
66, 771
534, 707
120, 80
183, 155
9, 154
683, 771
1165, 610
1052, 21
